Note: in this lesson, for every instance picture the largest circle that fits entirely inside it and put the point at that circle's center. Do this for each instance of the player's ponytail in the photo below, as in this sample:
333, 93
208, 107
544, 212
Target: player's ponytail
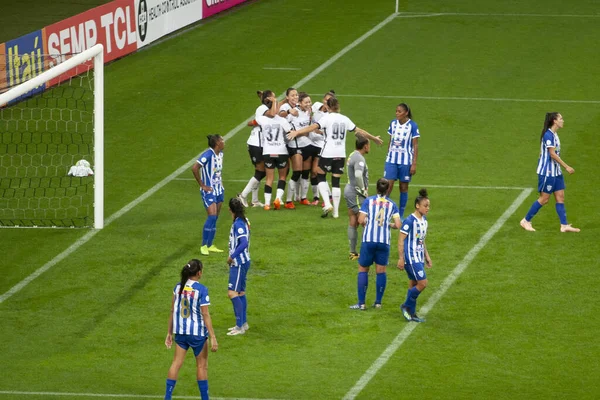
422, 196
237, 209
190, 269
548, 122
382, 186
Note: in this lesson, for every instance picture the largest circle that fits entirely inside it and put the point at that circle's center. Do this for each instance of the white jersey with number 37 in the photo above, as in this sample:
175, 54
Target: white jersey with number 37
273, 131
335, 128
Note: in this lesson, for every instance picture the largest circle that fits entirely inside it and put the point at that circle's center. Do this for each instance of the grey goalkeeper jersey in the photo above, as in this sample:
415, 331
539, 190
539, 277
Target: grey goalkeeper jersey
357, 162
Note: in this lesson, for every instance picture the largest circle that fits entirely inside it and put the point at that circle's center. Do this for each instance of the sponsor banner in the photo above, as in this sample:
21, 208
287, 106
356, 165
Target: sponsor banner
157, 18
211, 7
112, 24
22, 60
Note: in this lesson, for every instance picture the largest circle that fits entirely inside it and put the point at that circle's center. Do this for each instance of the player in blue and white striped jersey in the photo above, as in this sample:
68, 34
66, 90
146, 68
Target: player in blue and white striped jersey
375, 216
413, 254
191, 325
550, 178
208, 173
239, 264
401, 160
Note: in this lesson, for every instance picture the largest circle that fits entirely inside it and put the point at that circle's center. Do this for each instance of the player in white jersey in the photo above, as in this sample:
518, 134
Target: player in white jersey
255, 149
190, 325
335, 128
208, 172
239, 264
401, 160
376, 214
300, 154
550, 178
413, 254
275, 154
356, 191
318, 110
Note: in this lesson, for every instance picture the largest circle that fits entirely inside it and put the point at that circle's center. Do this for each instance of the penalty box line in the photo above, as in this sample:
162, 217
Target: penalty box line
435, 297
85, 238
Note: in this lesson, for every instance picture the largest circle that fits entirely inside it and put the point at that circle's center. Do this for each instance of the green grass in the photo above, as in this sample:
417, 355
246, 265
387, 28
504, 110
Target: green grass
520, 322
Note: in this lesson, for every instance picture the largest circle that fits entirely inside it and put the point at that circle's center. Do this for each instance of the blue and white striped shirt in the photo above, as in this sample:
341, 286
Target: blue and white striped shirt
414, 247
238, 230
187, 317
546, 165
380, 211
212, 168
401, 148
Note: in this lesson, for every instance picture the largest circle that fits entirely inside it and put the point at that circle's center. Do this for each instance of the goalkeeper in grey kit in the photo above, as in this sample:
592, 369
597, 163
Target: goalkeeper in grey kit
356, 190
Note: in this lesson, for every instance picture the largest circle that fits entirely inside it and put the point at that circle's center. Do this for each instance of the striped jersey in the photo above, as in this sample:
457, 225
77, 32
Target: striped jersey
380, 211
211, 170
255, 138
299, 122
416, 230
546, 165
335, 127
239, 229
401, 147
187, 317
273, 131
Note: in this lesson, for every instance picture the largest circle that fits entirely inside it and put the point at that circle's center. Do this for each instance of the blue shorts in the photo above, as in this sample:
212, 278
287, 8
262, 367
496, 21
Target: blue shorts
550, 184
396, 172
209, 198
416, 271
378, 253
195, 342
237, 277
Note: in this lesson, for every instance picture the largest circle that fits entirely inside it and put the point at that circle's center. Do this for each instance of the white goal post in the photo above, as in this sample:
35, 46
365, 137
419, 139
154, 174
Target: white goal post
95, 53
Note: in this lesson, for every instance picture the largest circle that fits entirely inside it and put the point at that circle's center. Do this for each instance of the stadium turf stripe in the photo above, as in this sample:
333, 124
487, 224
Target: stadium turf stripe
435, 297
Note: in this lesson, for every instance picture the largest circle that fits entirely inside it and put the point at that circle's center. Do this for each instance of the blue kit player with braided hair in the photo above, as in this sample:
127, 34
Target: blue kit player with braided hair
208, 173
375, 216
413, 254
190, 325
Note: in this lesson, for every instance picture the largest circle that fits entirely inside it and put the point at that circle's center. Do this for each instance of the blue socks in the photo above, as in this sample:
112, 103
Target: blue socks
244, 307
170, 386
209, 231
238, 310
535, 207
403, 201
203, 386
363, 283
411, 299
381, 282
562, 213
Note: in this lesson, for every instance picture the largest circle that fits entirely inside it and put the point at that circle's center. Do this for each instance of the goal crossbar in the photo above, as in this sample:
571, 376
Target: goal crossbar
97, 53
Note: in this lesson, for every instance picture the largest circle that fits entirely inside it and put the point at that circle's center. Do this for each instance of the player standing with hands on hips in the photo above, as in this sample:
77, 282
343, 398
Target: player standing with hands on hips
207, 171
413, 254
550, 177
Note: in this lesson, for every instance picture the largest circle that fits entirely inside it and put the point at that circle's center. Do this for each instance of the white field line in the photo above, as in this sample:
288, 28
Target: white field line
81, 241
412, 184
403, 14
282, 68
377, 96
115, 396
435, 297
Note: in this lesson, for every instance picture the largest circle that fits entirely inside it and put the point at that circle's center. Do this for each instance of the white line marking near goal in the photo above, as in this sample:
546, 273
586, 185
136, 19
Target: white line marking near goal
502, 15
81, 241
435, 297
413, 184
282, 68
117, 396
376, 96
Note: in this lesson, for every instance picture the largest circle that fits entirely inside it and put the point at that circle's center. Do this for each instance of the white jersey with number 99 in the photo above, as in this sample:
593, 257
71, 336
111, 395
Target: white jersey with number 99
335, 128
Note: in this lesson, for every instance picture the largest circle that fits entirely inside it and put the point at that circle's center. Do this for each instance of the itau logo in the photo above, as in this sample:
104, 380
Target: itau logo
142, 19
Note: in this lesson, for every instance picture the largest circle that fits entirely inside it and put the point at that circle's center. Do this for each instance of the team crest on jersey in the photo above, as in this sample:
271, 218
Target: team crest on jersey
549, 187
420, 273
207, 299
405, 227
203, 159
240, 230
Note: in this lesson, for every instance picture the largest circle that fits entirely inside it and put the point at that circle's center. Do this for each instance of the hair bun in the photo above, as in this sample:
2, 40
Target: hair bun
423, 192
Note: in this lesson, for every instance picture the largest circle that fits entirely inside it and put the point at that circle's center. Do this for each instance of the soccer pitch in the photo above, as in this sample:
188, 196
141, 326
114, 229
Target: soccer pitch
510, 314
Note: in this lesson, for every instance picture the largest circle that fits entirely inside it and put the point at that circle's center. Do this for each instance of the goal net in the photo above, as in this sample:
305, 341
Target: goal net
51, 141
